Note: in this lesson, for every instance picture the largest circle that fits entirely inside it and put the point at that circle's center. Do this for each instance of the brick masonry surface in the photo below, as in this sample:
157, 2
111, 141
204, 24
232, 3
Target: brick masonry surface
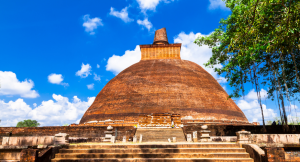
163, 86
164, 51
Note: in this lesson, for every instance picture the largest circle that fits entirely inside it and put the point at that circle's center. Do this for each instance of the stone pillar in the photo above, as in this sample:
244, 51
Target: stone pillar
189, 137
141, 138
195, 139
113, 139
205, 137
109, 134
124, 139
243, 137
134, 139
61, 139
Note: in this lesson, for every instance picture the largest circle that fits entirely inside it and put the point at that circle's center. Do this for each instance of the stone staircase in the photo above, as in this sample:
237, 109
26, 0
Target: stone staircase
196, 152
160, 134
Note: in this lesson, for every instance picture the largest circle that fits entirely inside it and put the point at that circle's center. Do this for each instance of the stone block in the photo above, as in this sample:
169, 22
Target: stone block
189, 137
112, 140
61, 139
195, 138
5, 141
109, 128
141, 138
28, 140
42, 146
243, 137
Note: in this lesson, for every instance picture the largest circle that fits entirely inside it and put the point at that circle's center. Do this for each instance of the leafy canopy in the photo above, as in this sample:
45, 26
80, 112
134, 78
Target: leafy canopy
257, 31
28, 123
259, 44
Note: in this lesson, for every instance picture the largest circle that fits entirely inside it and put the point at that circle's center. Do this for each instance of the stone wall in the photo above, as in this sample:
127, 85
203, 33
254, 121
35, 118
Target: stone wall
93, 133
230, 130
275, 138
28, 140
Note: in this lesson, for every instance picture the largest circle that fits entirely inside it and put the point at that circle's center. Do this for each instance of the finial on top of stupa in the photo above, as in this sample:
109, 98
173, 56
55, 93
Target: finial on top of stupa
161, 36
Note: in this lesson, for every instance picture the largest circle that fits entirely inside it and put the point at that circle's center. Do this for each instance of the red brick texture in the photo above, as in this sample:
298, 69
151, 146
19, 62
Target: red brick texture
275, 154
29, 155
163, 86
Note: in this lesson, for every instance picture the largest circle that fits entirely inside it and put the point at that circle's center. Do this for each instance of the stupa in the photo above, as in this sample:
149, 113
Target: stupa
161, 82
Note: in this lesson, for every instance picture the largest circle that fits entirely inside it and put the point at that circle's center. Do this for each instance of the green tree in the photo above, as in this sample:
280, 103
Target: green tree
259, 44
28, 123
269, 122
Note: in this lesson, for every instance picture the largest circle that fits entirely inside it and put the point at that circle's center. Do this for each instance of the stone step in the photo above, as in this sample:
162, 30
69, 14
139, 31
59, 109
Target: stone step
151, 155
156, 150
155, 160
176, 145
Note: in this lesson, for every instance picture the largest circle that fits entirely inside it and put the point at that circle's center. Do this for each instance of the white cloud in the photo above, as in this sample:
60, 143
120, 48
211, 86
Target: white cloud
293, 107
90, 86
189, 51
252, 110
10, 85
145, 23
52, 112
116, 63
295, 118
221, 80
97, 77
252, 95
98, 66
192, 52
215, 4
123, 14
224, 87
91, 24
56, 79
85, 71
150, 4
34, 104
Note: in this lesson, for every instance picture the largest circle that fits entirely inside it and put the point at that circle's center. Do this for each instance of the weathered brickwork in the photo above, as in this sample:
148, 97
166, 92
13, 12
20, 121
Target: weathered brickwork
160, 51
159, 120
275, 154
29, 155
163, 86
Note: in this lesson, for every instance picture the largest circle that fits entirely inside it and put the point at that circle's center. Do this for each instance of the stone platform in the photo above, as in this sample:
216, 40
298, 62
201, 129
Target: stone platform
160, 134
179, 152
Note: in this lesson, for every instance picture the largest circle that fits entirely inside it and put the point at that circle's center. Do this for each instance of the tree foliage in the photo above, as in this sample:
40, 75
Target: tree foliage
259, 44
28, 123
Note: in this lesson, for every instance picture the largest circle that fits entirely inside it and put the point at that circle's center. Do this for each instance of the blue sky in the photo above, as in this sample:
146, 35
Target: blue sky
56, 56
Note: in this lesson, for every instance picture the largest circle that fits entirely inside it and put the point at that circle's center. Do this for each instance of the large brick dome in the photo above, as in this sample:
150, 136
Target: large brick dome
163, 86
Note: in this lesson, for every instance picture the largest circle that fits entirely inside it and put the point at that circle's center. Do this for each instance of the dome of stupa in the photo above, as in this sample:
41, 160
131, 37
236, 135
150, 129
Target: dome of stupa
163, 83
163, 86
